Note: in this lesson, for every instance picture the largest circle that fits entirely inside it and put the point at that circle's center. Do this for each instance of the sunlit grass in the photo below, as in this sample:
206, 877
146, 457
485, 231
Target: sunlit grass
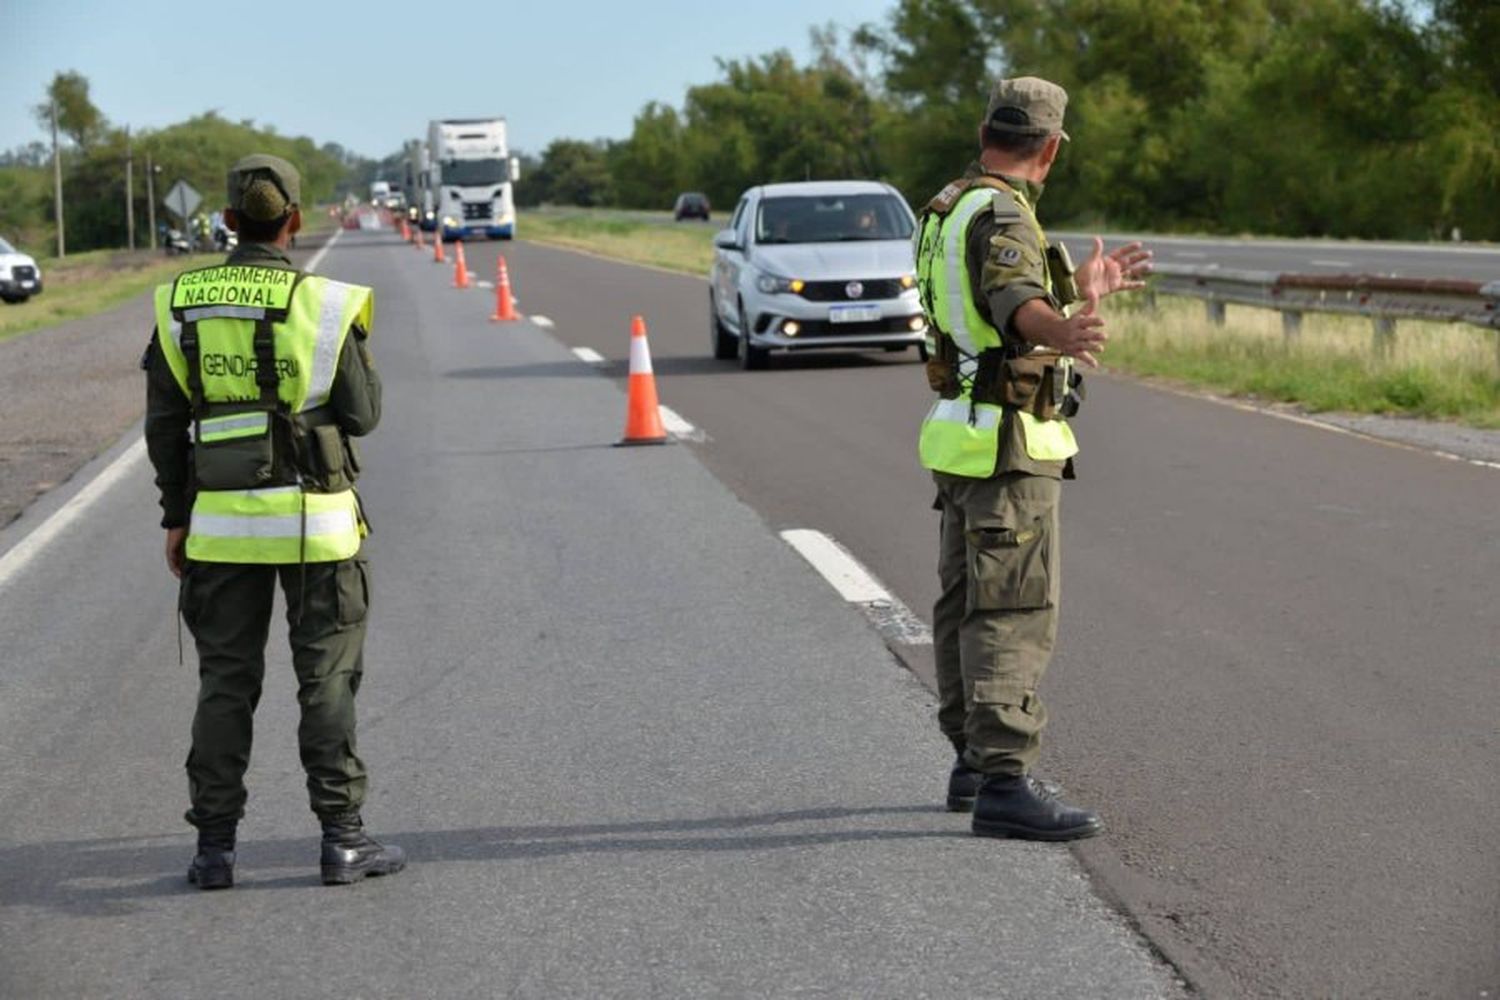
684, 246
1447, 371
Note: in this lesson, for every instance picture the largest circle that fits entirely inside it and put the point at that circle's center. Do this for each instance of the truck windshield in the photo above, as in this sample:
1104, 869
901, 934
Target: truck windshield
6, 247
832, 219
465, 173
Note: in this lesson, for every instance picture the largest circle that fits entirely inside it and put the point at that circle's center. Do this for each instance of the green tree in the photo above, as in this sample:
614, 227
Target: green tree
77, 118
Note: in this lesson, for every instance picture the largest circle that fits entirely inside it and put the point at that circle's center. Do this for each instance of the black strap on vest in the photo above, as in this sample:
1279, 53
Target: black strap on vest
266, 375
190, 353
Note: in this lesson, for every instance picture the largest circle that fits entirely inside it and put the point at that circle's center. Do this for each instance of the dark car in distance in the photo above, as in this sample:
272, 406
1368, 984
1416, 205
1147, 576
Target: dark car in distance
691, 205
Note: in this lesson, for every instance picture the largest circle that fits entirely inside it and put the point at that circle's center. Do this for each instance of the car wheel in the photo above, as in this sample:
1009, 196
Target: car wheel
751, 357
13, 299
725, 345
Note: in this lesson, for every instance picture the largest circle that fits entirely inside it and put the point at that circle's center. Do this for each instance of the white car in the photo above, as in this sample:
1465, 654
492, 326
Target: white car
821, 264
20, 278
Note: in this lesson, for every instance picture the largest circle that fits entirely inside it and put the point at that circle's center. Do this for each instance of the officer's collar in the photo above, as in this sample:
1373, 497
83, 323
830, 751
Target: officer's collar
259, 253
1031, 189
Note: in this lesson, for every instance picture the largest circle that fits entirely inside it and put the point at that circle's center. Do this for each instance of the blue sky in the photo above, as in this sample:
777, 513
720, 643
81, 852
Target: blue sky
368, 75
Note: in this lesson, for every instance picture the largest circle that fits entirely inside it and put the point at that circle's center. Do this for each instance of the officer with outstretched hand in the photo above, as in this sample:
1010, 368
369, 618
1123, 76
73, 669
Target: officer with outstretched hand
1010, 320
258, 380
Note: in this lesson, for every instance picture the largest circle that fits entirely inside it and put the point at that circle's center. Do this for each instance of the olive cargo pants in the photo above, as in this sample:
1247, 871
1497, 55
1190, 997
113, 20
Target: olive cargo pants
995, 622
227, 607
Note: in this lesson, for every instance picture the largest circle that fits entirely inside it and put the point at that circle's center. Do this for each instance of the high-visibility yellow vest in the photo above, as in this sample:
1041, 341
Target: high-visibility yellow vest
959, 436
307, 319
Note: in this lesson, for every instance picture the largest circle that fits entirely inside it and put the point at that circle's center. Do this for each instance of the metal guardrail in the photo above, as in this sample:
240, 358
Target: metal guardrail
1383, 299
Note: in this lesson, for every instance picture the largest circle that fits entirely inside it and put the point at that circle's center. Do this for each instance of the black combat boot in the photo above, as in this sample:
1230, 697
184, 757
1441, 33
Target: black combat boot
964, 781
963, 786
213, 865
1021, 806
349, 854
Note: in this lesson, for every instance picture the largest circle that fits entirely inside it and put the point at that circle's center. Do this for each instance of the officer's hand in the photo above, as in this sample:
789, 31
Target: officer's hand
176, 550
1122, 269
1082, 334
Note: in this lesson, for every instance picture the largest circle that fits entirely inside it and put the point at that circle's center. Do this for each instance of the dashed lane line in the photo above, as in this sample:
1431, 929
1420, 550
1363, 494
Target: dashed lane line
545, 323
587, 354
678, 427
892, 619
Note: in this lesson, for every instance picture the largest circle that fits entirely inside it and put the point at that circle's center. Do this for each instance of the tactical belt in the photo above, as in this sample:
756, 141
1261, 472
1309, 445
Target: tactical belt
1043, 382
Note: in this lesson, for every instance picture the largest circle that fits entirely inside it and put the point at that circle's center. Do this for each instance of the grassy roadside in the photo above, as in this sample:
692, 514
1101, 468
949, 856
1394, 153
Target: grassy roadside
1441, 371
634, 237
84, 284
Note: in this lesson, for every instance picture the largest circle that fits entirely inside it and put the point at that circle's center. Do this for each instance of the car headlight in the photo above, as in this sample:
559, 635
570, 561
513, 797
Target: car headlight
450, 222
773, 285
908, 281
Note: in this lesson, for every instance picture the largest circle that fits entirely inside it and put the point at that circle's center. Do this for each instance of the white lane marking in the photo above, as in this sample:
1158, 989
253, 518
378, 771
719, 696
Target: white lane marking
484, 284
588, 354
1331, 263
678, 427
317, 258
857, 585
543, 321
29, 547
1196, 254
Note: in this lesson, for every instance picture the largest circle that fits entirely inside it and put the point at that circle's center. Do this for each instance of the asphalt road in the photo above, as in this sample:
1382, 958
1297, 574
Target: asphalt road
634, 746
1278, 676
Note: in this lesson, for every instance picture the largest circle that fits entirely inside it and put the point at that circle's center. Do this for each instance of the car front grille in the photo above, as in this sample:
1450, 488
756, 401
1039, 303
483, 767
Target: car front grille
477, 210
838, 291
23, 272
823, 328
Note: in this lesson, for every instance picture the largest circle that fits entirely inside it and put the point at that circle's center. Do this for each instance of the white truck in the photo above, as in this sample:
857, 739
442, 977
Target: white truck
469, 177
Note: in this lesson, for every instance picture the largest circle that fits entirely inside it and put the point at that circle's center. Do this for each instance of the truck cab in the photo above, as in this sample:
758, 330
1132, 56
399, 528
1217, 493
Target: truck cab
471, 174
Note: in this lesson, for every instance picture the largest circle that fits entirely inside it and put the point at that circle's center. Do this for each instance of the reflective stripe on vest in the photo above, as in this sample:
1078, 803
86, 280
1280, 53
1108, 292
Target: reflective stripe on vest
266, 526
238, 425
953, 439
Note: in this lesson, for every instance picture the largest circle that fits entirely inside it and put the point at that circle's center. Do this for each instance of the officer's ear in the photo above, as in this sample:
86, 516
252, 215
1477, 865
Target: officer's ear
294, 224
231, 220
1051, 148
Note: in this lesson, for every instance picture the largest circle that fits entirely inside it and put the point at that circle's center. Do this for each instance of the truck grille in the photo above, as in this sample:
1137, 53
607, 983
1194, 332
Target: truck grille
838, 291
477, 210
23, 272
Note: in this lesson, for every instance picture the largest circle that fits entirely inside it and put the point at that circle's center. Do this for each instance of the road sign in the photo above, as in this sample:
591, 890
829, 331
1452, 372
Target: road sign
182, 199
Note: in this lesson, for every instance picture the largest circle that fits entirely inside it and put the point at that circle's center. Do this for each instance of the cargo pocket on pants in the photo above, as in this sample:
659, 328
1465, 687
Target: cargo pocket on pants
352, 583
1010, 567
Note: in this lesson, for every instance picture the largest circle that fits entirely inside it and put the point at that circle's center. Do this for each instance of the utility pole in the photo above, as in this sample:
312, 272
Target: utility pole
151, 199
129, 190
57, 184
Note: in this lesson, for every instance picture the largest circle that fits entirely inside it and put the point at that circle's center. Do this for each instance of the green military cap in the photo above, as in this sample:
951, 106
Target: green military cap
1027, 105
264, 188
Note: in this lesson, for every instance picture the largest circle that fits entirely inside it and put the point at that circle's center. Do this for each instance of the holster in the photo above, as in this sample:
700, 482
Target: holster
1044, 383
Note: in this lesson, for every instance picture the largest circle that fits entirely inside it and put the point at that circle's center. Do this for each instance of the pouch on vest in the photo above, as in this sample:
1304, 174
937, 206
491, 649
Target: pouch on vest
1042, 383
234, 451
326, 459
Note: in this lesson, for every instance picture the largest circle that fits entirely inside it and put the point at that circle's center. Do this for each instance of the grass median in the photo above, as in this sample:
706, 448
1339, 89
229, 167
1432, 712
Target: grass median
1441, 371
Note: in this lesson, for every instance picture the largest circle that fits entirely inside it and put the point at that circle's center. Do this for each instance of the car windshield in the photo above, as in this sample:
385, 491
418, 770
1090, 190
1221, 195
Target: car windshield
6, 247
832, 219
465, 173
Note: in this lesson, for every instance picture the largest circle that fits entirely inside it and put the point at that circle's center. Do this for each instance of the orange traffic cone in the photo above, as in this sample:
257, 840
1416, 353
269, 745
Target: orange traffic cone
460, 268
505, 305
405, 232
438, 257
642, 412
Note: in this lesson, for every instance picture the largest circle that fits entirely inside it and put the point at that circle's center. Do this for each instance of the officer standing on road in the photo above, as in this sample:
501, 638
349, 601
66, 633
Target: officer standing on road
1010, 316
268, 367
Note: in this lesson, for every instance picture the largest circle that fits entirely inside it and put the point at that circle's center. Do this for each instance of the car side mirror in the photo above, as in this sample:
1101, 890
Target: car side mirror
725, 239
515, 169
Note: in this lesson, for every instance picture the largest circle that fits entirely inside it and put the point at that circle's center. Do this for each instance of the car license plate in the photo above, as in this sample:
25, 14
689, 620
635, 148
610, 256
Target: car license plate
853, 314
28, 283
